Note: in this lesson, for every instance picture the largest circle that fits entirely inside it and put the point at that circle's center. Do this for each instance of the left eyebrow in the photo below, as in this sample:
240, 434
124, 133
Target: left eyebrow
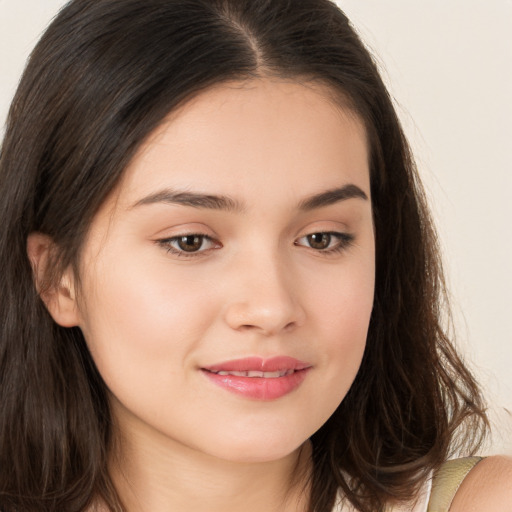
332, 196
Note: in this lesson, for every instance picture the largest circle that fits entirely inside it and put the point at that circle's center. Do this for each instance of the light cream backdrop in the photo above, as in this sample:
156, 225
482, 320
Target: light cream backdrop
449, 67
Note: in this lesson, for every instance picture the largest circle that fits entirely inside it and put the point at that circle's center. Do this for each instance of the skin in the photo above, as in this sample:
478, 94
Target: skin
256, 287
488, 486
152, 317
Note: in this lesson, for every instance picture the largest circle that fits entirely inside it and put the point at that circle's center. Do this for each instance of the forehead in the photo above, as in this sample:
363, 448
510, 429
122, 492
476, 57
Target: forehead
236, 137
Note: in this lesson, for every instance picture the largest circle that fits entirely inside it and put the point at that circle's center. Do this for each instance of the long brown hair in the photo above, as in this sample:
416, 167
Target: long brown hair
102, 78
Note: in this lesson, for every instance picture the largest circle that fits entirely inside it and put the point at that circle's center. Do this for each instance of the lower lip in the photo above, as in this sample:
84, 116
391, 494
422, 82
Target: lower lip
259, 388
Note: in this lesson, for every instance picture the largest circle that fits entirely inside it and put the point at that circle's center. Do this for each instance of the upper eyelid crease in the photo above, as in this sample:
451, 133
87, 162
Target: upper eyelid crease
226, 203
344, 240
342, 237
167, 244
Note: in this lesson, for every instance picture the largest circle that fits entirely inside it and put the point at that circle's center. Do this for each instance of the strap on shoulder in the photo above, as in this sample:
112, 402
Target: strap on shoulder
447, 481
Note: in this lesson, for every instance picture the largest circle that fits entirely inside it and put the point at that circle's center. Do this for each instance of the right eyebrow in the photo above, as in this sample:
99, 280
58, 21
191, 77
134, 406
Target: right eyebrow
332, 196
193, 199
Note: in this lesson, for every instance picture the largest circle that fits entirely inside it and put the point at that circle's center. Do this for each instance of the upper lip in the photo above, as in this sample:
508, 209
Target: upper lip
247, 364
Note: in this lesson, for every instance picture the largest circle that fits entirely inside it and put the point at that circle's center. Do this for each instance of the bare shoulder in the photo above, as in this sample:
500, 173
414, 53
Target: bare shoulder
488, 486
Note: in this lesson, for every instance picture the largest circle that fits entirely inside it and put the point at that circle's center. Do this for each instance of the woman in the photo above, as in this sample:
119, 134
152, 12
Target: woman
221, 283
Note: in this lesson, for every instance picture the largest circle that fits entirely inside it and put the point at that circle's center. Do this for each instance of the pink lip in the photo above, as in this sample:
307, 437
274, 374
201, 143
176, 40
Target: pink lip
259, 388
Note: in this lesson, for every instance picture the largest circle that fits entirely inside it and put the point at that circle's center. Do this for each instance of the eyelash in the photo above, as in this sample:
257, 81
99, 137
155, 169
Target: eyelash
344, 241
166, 243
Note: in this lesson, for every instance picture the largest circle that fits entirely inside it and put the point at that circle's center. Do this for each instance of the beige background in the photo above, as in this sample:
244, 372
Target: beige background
449, 67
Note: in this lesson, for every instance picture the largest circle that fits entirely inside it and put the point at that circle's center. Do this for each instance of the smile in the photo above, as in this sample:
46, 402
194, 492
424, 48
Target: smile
258, 378
262, 375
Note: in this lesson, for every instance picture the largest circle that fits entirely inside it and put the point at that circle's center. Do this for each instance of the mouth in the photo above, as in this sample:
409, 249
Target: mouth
257, 374
258, 378
273, 367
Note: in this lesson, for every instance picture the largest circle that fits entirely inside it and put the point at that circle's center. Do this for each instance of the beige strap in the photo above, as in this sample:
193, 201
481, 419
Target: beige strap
447, 481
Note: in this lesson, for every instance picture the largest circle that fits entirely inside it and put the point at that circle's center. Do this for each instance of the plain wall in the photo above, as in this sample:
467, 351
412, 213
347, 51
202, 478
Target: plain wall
449, 67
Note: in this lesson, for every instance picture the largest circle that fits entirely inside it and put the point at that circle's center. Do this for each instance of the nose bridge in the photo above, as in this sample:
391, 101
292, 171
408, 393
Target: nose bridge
264, 295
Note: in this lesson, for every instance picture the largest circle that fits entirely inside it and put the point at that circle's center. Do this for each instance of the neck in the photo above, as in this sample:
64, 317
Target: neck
153, 473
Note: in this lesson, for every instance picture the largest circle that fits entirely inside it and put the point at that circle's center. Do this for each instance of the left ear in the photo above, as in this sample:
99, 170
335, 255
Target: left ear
59, 297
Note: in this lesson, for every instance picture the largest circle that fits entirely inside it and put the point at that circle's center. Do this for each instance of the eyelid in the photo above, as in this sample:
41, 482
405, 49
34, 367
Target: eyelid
166, 244
345, 240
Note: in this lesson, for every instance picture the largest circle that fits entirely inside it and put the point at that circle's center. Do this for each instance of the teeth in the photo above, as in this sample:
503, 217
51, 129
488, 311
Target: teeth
255, 373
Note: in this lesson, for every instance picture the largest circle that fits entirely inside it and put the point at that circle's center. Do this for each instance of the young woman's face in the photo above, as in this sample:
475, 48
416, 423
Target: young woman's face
227, 286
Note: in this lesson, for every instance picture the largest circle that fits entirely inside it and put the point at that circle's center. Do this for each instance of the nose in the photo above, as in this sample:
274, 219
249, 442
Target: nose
264, 299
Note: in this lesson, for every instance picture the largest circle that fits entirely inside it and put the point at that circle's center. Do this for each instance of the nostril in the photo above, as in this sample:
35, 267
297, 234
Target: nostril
266, 313
267, 330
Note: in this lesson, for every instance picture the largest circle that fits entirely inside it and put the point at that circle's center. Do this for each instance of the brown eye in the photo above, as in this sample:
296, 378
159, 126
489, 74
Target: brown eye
326, 242
190, 243
319, 240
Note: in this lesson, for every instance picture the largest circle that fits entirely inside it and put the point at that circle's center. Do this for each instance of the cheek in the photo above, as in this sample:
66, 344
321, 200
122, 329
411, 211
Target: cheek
342, 299
137, 317
342, 316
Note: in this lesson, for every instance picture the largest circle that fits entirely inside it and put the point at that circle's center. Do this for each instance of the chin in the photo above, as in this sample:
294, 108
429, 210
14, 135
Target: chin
261, 448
